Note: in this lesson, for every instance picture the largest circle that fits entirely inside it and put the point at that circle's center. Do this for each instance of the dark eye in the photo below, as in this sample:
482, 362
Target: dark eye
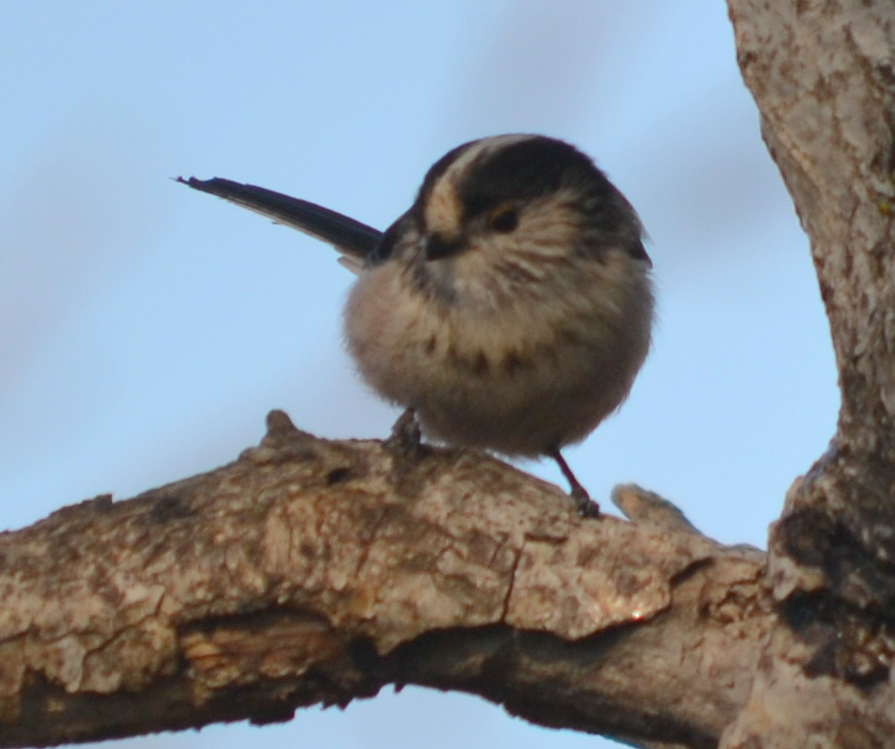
504, 220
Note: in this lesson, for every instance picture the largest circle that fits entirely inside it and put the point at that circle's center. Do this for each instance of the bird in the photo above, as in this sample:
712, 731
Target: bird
509, 309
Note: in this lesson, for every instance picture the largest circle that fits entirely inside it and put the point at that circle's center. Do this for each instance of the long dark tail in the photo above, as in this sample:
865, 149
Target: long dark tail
348, 236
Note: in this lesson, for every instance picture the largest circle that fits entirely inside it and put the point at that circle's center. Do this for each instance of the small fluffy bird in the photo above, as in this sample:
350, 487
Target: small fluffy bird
510, 308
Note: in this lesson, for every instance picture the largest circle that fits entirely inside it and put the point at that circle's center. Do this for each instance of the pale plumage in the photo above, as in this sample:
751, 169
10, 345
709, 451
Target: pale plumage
510, 307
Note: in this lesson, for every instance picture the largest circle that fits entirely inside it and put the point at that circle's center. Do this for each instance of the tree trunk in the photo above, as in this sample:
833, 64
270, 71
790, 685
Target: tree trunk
823, 77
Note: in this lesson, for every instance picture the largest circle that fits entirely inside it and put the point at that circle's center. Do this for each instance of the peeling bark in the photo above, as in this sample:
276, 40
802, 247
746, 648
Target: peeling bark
823, 75
316, 572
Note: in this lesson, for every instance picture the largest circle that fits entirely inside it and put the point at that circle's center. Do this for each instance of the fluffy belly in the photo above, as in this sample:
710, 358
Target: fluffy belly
499, 384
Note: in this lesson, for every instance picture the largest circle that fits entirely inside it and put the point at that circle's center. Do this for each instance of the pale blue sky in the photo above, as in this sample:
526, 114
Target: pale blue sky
145, 330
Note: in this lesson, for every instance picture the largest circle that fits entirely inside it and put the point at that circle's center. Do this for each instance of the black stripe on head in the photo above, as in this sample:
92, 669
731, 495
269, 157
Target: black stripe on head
526, 170
538, 167
393, 234
438, 169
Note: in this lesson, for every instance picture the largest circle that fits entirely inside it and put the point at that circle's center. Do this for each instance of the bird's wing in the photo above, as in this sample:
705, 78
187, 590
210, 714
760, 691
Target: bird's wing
356, 241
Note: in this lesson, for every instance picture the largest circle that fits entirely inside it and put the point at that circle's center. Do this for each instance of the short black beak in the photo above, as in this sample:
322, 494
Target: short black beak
437, 247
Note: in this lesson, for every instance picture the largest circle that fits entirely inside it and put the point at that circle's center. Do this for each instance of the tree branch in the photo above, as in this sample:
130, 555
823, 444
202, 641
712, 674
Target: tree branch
315, 572
823, 75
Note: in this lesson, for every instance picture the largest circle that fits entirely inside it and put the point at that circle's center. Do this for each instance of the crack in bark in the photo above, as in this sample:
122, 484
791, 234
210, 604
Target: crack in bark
474, 581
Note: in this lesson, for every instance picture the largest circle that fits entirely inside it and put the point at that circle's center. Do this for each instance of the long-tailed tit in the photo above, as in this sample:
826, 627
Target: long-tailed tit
510, 308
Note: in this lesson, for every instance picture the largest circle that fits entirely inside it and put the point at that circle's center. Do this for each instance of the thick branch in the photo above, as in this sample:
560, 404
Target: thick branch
312, 571
823, 75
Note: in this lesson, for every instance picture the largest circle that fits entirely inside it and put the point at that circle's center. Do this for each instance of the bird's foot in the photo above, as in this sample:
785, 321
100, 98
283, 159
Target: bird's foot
406, 436
586, 507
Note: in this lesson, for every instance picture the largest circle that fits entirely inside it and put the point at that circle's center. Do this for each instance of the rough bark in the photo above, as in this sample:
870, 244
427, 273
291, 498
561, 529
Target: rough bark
312, 571
823, 75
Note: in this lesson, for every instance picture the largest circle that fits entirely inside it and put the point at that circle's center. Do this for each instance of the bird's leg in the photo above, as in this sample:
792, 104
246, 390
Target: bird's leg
587, 508
406, 432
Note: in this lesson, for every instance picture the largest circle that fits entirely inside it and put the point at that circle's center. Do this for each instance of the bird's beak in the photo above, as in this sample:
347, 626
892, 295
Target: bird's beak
437, 247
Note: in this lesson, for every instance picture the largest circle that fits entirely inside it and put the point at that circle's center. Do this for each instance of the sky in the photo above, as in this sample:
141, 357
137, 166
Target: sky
146, 329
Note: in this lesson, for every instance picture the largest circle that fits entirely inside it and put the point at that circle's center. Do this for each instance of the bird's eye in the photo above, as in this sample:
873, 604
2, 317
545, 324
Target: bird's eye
504, 220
